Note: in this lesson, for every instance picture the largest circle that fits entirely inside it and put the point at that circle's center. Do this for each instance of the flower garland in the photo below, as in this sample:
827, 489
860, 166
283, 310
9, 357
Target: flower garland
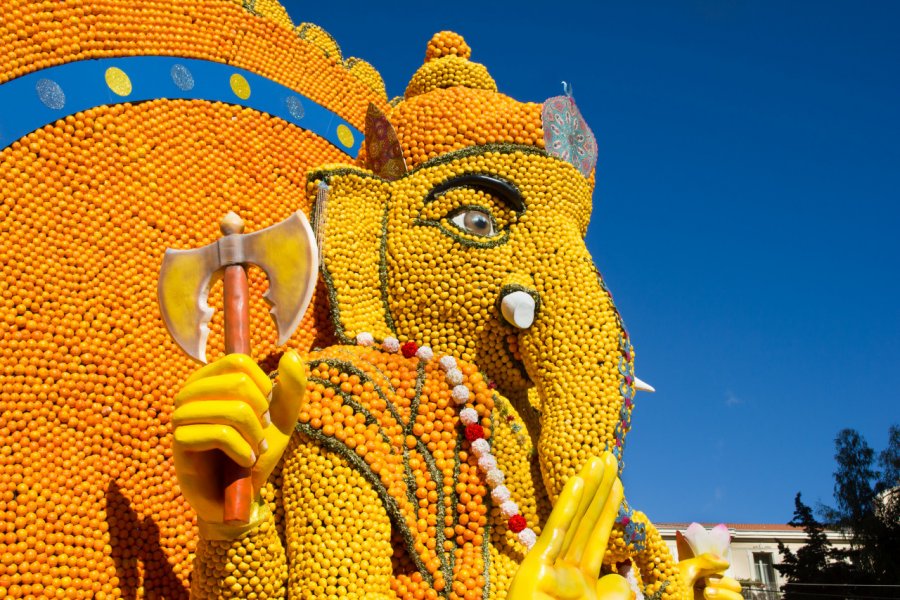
474, 431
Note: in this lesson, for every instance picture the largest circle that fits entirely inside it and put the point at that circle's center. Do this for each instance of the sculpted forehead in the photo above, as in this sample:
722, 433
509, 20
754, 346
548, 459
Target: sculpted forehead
545, 184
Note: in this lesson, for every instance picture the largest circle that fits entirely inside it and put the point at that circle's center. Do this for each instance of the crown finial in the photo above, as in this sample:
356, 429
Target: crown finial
447, 65
447, 43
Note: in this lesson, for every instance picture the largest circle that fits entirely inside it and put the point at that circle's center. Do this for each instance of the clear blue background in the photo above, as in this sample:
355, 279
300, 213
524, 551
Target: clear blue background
746, 217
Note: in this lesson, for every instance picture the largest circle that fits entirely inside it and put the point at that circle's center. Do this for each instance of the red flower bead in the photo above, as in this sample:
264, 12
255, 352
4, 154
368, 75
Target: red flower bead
516, 523
409, 349
474, 432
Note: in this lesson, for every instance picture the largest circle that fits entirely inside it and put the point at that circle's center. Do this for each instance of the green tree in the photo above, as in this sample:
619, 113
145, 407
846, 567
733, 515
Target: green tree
867, 506
811, 564
867, 510
889, 461
886, 537
853, 481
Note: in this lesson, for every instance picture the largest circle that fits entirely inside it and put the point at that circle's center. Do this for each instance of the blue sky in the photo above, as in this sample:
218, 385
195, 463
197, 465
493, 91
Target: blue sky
746, 218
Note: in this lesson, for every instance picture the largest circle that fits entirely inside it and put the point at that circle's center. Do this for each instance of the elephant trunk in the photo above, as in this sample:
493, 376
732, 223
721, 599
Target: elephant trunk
580, 359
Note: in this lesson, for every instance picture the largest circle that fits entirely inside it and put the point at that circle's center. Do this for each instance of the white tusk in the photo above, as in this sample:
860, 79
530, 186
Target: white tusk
643, 386
518, 309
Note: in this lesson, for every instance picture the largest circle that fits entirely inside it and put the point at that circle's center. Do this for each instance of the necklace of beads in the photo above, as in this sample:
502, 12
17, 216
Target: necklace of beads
474, 431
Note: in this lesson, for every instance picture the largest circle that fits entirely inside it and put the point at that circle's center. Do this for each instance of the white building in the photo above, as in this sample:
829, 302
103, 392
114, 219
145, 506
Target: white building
754, 553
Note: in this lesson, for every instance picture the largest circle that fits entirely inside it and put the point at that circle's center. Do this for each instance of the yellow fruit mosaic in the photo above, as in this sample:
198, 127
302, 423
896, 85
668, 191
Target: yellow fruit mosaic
380, 492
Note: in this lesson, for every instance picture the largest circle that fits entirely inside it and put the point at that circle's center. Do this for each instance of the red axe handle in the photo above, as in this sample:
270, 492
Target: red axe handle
236, 479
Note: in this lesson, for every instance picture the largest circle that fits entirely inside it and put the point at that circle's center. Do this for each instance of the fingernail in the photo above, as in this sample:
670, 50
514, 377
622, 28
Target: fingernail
266, 419
263, 446
252, 457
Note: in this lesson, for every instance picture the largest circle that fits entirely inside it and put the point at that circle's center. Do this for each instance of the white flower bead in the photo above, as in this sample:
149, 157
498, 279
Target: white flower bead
500, 494
365, 339
448, 362
468, 416
494, 477
460, 393
487, 462
528, 537
480, 447
509, 509
454, 377
391, 344
425, 353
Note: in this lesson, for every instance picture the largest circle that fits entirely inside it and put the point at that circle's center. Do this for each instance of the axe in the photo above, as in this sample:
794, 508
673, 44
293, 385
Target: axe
287, 253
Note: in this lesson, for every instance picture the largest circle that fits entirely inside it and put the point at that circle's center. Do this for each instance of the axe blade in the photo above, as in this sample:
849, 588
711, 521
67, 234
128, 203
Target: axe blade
183, 288
288, 253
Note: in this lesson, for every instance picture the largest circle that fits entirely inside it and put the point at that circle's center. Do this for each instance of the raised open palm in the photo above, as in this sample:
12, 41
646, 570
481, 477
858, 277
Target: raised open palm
565, 562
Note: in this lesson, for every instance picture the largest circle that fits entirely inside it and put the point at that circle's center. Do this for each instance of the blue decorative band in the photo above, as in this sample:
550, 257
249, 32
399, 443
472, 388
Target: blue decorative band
29, 102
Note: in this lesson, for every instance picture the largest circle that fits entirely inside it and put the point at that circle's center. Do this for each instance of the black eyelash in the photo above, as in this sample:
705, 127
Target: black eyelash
502, 188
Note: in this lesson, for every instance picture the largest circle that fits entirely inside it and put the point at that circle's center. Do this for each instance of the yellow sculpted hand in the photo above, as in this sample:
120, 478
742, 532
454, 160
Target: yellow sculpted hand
225, 407
565, 562
704, 579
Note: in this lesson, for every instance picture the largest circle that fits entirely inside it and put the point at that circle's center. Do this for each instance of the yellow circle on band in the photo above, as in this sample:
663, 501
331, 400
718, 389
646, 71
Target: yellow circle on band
240, 86
118, 81
345, 135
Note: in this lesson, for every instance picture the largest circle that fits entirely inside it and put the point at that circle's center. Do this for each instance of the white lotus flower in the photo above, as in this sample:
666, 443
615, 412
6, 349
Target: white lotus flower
715, 541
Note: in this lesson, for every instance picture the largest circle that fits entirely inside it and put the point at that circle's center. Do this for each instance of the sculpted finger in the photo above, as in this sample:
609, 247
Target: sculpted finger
725, 583
203, 438
234, 363
288, 393
596, 547
585, 527
613, 587
717, 593
549, 546
704, 565
231, 386
238, 415
592, 473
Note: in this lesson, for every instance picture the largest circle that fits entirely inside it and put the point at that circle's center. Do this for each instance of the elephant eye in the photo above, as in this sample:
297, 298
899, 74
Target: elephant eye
475, 221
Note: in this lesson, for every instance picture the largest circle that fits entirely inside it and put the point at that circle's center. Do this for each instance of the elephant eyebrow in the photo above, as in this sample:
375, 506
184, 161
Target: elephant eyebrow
502, 188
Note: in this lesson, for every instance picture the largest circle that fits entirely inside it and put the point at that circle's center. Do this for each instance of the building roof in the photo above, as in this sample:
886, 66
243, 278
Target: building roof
735, 526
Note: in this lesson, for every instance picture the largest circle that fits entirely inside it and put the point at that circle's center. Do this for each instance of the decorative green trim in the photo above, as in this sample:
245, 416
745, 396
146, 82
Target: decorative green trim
347, 400
390, 505
351, 369
334, 307
326, 174
461, 236
658, 594
486, 550
504, 148
301, 33
438, 479
454, 497
383, 272
407, 430
340, 332
446, 559
506, 410
436, 476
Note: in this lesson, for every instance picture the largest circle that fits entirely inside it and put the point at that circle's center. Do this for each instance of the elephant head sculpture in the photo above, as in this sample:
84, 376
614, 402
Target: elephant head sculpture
473, 242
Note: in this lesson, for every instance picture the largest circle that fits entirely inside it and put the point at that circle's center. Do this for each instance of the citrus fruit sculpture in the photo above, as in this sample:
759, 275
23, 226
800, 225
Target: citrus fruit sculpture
447, 422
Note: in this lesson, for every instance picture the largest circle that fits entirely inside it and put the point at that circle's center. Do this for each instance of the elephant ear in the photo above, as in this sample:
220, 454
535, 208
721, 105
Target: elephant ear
384, 156
353, 226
